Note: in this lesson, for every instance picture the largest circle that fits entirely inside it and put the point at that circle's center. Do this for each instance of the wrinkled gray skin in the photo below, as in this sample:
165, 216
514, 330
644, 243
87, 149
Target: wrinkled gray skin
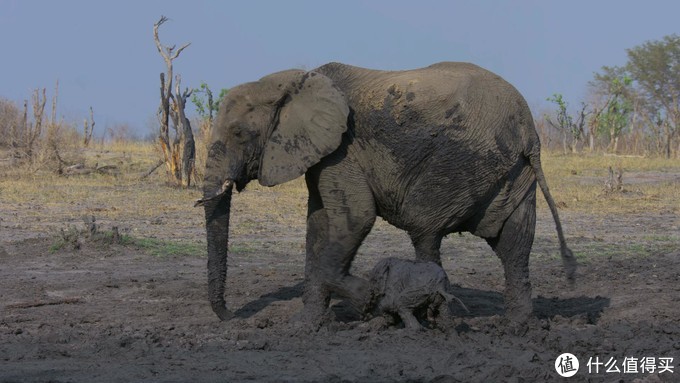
405, 288
443, 149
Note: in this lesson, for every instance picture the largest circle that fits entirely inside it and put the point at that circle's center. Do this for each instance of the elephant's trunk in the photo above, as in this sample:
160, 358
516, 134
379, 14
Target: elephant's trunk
217, 209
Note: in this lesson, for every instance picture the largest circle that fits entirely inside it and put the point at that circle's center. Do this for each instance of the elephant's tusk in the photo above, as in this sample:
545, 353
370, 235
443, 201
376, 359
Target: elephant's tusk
227, 185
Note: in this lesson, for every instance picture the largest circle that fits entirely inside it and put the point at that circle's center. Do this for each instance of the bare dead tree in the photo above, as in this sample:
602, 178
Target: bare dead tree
568, 124
579, 126
183, 142
614, 184
88, 129
53, 129
34, 130
185, 137
18, 139
53, 118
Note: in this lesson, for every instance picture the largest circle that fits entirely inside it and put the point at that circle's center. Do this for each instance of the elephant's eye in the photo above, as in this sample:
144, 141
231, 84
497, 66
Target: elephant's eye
239, 130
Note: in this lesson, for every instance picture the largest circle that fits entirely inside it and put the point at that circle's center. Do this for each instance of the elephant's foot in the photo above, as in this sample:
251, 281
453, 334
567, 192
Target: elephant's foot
511, 327
517, 318
315, 312
518, 305
519, 312
314, 317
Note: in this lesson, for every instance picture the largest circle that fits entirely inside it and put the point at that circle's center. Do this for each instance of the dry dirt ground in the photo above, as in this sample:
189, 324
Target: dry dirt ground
110, 312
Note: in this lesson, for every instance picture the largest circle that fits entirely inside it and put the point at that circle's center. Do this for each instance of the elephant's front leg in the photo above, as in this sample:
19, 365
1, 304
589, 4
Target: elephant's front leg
316, 296
340, 216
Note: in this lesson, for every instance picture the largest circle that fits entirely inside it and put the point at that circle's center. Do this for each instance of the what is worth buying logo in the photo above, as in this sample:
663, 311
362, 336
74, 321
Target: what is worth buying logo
566, 365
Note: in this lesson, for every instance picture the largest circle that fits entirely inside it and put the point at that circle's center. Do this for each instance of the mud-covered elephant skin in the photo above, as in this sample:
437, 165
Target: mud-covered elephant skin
407, 289
442, 149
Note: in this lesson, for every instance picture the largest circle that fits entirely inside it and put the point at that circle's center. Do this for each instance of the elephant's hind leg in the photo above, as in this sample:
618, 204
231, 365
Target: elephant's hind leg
513, 246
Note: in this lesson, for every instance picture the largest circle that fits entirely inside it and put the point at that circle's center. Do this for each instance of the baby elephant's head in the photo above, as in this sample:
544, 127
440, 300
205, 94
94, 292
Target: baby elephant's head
403, 287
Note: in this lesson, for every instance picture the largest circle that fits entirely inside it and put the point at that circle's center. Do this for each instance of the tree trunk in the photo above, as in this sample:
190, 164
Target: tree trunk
615, 147
188, 145
164, 120
88, 129
188, 157
35, 131
668, 139
574, 146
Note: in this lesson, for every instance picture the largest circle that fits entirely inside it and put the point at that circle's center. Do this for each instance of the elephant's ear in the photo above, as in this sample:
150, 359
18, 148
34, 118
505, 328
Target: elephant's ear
310, 125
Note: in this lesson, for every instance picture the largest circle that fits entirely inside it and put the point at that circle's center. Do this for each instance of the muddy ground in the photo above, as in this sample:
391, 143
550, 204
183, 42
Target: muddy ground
116, 313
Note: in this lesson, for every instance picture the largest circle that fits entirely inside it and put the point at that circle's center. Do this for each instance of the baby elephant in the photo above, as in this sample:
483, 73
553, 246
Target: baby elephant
405, 288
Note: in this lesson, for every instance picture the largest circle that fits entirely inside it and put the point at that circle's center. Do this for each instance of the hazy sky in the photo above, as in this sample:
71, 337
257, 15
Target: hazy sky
104, 56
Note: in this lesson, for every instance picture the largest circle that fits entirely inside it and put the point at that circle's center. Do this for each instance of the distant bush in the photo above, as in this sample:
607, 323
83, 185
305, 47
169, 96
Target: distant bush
32, 139
10, 121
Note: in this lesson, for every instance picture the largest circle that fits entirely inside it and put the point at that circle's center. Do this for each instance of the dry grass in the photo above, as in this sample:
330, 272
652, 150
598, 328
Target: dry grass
577, 183
43, 201
40, 202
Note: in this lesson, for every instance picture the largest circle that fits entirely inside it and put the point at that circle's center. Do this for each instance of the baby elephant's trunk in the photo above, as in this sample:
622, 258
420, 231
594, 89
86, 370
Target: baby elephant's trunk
450, 298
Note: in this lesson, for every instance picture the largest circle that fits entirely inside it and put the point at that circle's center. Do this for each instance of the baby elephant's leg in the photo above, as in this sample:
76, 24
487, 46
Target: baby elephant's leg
409, 319
434, 309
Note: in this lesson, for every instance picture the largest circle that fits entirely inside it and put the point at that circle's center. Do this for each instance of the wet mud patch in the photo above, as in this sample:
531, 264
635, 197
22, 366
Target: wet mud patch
116, 313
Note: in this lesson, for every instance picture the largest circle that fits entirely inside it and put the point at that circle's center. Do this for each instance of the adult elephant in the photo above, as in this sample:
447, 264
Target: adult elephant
443, 149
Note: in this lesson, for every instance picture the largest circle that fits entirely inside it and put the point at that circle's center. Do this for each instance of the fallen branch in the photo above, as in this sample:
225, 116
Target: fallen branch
108, 169
81, 170
153, 169
623, 155
28, 305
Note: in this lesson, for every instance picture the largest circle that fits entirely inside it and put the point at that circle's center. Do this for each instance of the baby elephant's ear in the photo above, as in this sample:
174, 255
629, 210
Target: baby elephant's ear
311, 121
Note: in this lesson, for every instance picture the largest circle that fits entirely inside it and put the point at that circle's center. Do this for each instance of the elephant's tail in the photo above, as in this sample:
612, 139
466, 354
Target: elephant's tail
567, 255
